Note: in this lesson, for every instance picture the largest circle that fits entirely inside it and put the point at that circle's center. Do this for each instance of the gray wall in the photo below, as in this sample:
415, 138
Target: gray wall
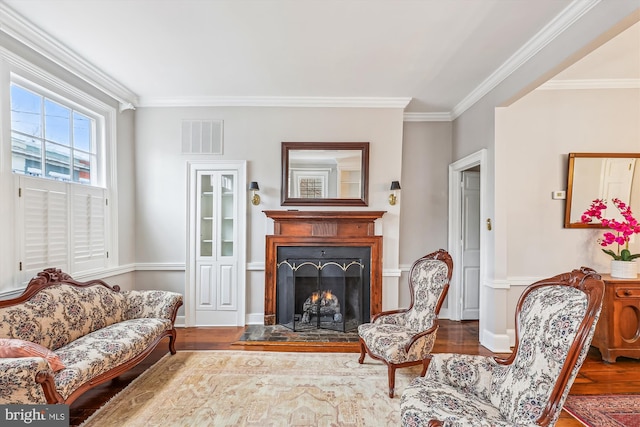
426, 154
253, 134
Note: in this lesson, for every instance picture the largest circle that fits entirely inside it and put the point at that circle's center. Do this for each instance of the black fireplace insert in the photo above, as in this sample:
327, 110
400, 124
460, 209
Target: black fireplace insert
322, 287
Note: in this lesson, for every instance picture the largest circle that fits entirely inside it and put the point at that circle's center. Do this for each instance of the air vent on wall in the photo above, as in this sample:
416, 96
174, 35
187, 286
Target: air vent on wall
202, 136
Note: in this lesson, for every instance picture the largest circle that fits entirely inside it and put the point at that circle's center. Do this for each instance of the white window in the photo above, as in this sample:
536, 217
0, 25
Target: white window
50, 139
59, 159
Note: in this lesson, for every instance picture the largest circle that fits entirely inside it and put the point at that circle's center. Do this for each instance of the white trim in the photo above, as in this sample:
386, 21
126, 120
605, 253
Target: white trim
498, 284
391, 272
255, 319
102, 274
11, 293
520, 281
428, 117
161, 266
274, 101
496, 343
478, 158
546, 35
255, 266
105, 273
30, 35
590, 84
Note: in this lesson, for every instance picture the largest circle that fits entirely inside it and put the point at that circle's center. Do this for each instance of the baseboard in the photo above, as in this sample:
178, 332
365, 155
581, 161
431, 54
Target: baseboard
254, 319
494, 342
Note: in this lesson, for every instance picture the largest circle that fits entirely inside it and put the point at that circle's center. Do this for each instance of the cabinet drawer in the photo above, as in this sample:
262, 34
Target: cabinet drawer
628, 293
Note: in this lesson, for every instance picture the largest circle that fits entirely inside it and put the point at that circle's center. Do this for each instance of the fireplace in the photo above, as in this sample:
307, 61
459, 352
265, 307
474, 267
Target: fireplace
323, 287
323, 269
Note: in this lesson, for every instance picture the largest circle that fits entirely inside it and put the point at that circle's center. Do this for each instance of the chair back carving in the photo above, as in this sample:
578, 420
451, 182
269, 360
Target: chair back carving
555, 322
428, 284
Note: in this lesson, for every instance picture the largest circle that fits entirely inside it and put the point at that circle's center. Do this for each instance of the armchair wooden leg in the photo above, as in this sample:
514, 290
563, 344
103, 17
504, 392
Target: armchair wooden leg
363, 351
392, 379
425, 365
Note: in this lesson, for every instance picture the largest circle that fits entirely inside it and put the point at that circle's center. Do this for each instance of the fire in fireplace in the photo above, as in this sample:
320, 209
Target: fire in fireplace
323, 292
321, 305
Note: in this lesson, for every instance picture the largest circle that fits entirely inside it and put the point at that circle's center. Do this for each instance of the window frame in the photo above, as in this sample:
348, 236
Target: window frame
98, 140
35, 79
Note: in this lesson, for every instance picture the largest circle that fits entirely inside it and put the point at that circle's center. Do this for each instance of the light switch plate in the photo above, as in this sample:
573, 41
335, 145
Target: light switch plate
559, 195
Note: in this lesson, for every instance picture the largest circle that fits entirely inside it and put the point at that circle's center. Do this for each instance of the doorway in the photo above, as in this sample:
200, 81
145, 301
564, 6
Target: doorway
467, 183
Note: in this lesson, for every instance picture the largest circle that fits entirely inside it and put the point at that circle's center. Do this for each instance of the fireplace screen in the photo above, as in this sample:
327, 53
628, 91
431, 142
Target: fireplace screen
322, 293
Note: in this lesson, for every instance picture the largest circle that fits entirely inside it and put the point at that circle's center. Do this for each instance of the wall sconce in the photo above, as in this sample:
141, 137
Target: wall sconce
395, 186
255, 199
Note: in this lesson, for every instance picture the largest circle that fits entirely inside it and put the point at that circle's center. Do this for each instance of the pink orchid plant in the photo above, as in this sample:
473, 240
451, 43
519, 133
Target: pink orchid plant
621, 230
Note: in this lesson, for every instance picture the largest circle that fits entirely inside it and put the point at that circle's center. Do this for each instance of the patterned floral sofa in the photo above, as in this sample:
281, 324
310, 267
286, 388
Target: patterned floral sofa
78, 336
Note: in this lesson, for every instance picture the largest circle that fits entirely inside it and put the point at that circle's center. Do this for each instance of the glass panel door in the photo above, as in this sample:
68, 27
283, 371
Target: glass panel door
227, 214
205, 208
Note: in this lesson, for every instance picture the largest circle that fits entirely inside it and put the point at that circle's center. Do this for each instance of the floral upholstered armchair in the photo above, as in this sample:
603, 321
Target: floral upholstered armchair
555, 322
405, 337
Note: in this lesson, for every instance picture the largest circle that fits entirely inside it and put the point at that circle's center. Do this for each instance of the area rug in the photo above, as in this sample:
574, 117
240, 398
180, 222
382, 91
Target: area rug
255, 388
605, 410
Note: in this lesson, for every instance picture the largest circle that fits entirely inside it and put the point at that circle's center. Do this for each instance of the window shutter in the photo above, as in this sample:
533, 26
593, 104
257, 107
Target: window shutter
62, 225
45, 225
88, 219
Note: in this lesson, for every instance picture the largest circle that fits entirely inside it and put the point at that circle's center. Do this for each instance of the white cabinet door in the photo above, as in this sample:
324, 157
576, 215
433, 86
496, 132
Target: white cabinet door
215, 292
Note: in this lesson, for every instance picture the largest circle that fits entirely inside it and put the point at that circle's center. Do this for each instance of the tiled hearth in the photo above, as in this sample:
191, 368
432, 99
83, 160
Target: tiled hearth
279, 333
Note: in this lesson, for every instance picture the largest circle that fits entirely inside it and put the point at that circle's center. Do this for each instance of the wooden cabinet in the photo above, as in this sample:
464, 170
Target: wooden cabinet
618, 329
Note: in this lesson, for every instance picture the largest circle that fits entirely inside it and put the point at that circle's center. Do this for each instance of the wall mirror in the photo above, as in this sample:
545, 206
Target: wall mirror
601, 176
325, 173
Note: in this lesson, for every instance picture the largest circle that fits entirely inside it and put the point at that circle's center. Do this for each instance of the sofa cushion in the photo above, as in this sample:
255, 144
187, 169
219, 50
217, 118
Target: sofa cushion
20, 348
388, 341
61, 313
424, 400
96, 353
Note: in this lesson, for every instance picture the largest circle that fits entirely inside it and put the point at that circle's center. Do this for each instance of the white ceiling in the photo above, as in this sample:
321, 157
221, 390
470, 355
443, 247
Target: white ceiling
433, 52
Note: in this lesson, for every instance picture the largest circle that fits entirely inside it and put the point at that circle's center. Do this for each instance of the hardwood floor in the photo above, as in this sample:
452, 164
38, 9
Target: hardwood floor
595, 377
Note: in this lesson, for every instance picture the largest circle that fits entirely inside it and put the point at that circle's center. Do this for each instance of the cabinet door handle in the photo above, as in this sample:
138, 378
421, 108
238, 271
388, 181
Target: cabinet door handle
627, 293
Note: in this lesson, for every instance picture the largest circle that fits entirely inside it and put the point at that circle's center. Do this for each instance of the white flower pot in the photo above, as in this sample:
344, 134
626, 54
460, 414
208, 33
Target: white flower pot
624, 269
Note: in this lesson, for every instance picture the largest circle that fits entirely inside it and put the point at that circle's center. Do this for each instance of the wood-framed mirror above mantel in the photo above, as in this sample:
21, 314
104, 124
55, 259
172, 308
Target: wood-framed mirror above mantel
600, 176
325, 174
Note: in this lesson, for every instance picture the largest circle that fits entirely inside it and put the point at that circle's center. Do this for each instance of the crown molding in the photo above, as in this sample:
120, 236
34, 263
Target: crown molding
31, 36
274, 101
590, 84
428, 117
546, 35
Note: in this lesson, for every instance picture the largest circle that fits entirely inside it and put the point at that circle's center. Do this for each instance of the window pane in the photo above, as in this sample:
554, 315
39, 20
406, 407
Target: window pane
81, 132
27, 155
58, 162
26, 111
56, 122
81, 167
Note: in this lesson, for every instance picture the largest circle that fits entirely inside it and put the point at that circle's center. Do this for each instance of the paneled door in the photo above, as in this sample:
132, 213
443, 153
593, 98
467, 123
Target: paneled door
215, 295
470, 245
